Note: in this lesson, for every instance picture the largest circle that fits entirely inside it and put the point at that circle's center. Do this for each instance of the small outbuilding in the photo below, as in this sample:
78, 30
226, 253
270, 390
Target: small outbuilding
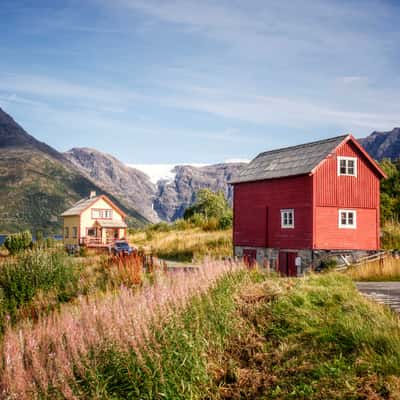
94, 221
293, 205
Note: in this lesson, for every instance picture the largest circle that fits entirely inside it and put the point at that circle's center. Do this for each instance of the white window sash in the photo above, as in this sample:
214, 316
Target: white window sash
287, 216
346, 225
346, 159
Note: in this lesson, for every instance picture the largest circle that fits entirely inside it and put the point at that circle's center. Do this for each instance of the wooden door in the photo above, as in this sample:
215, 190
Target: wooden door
283, 263
287, 263
292, 269
250, 257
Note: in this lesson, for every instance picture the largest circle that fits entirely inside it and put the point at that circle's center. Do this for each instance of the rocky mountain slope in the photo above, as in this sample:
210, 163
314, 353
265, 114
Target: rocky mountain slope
383, 144
165, 201
37, 183
174, 197
127, 184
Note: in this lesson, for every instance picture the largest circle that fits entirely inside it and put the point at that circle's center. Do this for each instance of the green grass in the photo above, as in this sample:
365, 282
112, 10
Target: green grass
33, 272
320, 339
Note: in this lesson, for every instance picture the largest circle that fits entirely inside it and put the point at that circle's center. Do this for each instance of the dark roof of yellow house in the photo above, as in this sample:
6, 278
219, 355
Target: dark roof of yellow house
79, 207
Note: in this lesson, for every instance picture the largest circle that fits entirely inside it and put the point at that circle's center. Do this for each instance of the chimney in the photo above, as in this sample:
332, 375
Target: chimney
92, 194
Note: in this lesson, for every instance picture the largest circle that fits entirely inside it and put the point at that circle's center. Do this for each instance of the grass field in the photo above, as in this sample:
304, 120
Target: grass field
185, 245
98, 328
223, 332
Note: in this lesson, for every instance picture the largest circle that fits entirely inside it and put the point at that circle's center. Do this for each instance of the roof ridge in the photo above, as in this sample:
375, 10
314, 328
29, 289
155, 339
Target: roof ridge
297, 146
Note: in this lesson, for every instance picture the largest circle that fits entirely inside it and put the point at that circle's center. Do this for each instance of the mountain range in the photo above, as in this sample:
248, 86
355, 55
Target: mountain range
383, 144
37, 183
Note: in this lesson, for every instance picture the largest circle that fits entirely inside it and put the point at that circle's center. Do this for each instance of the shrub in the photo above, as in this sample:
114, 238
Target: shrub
149, 235
226, 221
211, 224
182, 224
83, 251
328, 264
18, 242
160, 227
23, 277
197, 220
390, 237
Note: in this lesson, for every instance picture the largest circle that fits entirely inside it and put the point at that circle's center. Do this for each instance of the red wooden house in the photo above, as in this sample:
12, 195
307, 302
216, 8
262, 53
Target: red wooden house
293, 205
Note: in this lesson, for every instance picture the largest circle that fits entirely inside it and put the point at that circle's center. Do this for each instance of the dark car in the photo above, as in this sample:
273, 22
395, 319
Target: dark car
121, 247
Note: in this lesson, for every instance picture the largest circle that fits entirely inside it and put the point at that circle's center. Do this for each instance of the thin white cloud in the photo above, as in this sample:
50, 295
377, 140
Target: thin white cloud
45, 86
348, 80
282, 111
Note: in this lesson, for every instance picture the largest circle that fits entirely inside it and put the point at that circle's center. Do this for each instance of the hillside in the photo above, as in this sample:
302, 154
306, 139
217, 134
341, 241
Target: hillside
383, 144
127, 184
37, 182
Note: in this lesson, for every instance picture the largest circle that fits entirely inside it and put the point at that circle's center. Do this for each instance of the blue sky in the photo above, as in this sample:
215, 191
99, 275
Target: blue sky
198, 81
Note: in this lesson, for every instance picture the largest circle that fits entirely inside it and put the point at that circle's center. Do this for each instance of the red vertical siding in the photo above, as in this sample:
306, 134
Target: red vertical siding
257, 202
333, 192
346, 191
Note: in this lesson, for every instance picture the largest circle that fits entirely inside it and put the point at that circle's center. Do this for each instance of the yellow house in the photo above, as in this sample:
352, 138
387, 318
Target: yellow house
95, 222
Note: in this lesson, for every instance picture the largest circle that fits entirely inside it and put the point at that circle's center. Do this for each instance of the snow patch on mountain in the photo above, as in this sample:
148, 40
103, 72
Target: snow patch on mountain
158, 172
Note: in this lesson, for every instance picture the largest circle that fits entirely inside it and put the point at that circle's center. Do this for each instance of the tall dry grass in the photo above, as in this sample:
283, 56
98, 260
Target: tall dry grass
186, 245
385, 269
44, 358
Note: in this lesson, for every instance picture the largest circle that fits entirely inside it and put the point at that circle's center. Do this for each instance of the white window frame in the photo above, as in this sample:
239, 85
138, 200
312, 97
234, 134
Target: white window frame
286, 225
339, 159
346, 225
102, 213
74, 232
108, 213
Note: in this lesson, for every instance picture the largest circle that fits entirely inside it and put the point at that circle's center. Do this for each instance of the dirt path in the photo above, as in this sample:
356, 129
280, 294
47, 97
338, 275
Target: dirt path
383, 292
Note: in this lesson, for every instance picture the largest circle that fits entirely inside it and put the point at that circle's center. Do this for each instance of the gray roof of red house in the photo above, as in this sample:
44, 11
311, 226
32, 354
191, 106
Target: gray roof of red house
288, 161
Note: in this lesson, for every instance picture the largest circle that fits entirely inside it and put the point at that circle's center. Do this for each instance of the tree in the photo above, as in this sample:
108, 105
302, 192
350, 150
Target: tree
209, 204
390, 190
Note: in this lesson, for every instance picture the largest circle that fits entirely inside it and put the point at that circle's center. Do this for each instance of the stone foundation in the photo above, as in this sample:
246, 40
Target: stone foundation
310, 259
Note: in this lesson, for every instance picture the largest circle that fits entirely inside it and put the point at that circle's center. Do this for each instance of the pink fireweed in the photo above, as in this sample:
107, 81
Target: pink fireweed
36, 356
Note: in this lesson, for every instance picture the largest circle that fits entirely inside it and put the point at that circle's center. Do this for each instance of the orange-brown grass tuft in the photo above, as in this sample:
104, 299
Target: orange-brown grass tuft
126, 270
